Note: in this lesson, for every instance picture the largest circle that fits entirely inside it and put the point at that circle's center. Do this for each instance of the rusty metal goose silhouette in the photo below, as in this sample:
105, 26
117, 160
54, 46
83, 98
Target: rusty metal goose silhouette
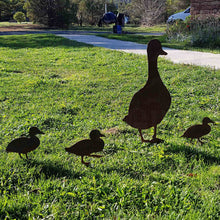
151, 103
24, 145
197, 131
88, 146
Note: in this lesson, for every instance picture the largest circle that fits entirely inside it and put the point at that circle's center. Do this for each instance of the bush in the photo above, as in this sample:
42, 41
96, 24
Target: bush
19, 17
196, 32
179, 30
206, 32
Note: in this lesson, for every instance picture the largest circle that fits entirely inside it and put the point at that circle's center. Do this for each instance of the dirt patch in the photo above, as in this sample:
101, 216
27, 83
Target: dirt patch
112, 131
21, 27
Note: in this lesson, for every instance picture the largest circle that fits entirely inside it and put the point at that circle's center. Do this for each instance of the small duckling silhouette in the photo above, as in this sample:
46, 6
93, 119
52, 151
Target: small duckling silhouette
88, 146
197, 131
151, 103
24, 145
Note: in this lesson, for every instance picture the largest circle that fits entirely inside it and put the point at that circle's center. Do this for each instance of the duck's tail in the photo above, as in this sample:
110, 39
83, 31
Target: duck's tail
10, 148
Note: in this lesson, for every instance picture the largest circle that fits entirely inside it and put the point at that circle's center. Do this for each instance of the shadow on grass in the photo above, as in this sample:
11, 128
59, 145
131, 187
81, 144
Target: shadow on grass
133, 171
164, 164
37, 41
112, 150
51, 169
193, 153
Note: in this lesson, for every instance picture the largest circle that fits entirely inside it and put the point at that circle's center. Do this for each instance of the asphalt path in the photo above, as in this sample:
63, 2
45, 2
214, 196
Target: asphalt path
174, 55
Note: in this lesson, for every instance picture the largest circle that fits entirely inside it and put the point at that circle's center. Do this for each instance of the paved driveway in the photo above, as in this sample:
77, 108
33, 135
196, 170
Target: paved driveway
176, 56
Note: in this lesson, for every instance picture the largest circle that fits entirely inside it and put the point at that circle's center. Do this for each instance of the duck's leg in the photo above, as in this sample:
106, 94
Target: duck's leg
27, 157
87, 164
142, 139
154, 138
200, 141
20, 156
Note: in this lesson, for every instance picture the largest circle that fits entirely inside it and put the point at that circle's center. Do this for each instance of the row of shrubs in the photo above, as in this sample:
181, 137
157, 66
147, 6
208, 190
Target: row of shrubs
196, 32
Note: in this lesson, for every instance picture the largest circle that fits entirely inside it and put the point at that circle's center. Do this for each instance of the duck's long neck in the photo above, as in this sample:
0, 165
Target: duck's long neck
152, 69
32, 136
205, 124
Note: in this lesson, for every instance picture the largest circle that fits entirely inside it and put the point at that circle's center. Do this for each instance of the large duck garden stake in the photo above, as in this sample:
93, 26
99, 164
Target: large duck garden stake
151, 103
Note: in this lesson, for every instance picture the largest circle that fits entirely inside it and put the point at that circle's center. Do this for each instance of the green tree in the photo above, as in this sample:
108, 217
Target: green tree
19, 17
4, 9
53, 13
9, 7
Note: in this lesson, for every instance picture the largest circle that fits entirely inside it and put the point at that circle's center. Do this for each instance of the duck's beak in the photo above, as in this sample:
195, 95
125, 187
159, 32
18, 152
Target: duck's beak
162, 52
102, 135
212, 122
41, 132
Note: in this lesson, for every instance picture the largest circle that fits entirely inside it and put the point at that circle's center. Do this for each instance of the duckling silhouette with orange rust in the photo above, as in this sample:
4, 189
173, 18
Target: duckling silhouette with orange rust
88, 146
24, 145
197, 131
151, 103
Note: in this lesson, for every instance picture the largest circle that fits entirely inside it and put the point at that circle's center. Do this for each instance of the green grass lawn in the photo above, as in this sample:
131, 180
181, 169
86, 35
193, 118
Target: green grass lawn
67, 89
127, 28
160, 28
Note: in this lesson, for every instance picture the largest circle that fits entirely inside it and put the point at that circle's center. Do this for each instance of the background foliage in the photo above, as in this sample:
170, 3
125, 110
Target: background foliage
90, 11
206, 32
9, 7
195, 32
19, 16
55, 13
63, 12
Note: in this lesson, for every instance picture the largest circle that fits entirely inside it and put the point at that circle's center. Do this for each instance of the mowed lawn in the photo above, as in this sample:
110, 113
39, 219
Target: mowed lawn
67, 89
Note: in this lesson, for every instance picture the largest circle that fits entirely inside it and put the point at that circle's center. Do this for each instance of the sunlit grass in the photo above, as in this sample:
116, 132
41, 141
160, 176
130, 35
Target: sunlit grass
67, 89
127, 28
160, 28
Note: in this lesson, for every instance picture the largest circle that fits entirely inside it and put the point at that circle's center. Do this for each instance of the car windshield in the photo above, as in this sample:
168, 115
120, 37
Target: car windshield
187, 10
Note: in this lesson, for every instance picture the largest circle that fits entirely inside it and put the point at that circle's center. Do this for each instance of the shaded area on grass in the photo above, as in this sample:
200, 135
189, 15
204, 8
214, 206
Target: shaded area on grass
37, 41
51, 169
193, 153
